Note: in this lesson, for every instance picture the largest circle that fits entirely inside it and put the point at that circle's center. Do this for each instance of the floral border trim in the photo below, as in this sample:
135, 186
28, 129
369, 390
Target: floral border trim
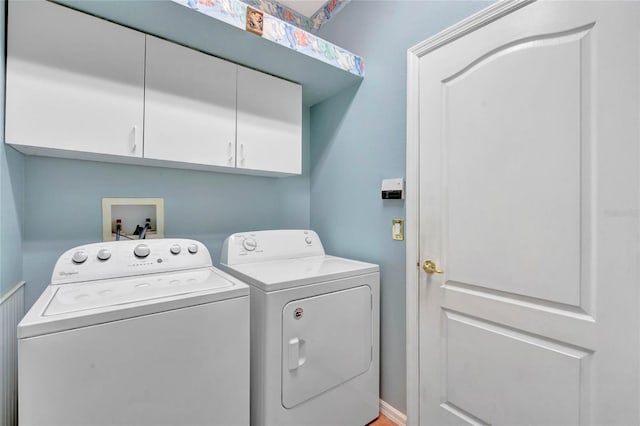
294, 38
234, 12
326, 12
282, 12
286, 14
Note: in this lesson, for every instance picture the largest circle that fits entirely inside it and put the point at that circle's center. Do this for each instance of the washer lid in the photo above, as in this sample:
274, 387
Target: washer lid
88, 303
286, 273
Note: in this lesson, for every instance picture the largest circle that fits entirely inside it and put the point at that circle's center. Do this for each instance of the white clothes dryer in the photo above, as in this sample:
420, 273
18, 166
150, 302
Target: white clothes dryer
314, 329
136, 333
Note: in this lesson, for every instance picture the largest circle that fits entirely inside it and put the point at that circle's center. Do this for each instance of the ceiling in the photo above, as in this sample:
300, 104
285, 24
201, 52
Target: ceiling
304, 7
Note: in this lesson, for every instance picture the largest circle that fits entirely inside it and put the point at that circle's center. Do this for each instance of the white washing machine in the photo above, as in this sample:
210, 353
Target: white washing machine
314, 329
136, 333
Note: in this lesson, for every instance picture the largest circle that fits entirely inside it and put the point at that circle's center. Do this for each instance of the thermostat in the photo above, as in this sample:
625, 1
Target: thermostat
393, 189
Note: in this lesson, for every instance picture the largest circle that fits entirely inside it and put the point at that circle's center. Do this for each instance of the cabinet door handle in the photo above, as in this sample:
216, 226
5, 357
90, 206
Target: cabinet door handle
242, 153
134, 143
230, 153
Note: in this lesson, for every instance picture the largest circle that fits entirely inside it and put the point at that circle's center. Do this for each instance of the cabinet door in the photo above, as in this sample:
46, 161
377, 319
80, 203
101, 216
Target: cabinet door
74, 82
269, 133
190, 105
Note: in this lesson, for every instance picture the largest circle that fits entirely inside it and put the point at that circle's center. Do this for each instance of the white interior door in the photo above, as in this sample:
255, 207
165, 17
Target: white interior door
528, 203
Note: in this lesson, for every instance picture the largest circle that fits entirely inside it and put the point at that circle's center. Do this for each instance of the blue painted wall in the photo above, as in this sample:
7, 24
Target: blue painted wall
63, 205
11, 192
358, 139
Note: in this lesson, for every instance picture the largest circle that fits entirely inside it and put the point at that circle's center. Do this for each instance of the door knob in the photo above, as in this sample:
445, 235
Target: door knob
430, 267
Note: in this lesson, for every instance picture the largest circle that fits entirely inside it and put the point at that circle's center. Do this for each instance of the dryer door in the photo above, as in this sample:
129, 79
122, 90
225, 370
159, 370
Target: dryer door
326, 341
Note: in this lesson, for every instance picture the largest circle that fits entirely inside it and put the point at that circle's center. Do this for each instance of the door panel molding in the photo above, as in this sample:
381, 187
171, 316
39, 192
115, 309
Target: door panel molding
556, 373
575, 34
481, 197
462, 415
547, 306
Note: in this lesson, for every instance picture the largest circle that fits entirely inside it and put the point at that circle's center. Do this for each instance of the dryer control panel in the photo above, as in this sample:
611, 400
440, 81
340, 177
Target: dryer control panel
261, 246
115, 259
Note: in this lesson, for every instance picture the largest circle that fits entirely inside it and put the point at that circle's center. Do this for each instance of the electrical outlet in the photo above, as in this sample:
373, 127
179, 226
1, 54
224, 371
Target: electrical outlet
397, 229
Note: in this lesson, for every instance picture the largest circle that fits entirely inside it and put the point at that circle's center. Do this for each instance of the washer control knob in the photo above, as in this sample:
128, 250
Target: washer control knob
79, 257
193, 248
308, 240
142, 250
175, 249
249, 244
104, 254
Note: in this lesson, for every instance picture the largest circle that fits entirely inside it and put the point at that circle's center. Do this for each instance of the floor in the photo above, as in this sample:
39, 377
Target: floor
382, 421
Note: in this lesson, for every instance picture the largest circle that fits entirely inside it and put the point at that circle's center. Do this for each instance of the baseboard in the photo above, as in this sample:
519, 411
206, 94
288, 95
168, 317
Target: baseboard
393, 414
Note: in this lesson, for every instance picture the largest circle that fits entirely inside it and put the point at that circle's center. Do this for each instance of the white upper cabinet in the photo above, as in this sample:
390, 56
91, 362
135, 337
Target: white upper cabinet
75, 83
269, 131
190, 106
82, 87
